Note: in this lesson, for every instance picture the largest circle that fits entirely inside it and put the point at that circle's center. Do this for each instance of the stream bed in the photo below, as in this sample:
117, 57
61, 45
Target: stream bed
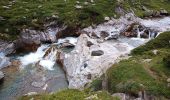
30, 78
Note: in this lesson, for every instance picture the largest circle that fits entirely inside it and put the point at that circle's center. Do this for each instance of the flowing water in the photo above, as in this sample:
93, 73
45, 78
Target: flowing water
31, 77
39, 73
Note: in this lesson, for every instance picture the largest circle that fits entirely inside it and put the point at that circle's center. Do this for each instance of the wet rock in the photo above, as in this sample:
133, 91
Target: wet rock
15, 63
104, 34
7, 47
1, 77
34, 36
81, 67
89, 43
89, 76
94, 35
97, 53
4, 62
164, 12
30, 40
68, 32
114, 36
66, 44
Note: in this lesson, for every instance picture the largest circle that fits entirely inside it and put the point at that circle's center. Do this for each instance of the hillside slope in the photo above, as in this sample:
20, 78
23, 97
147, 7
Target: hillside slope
19, 14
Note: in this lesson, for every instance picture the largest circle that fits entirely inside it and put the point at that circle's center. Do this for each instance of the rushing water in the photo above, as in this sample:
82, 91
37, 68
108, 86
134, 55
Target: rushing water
40, 74
31, 77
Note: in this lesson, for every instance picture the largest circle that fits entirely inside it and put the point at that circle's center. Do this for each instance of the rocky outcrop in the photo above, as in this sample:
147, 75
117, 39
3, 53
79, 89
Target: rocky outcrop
81, 67
7, 47
112, 28
1, 77
4, 62
30, 40
34, 36
140, 31
68, 32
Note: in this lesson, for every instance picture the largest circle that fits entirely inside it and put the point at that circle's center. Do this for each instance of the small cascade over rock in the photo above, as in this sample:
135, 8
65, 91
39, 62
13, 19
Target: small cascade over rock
113, 41
139, 31
50, 57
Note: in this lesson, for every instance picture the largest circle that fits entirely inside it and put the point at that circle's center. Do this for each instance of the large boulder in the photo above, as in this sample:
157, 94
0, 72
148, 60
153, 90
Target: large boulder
97, 53
33, 36
81, 67
30, 40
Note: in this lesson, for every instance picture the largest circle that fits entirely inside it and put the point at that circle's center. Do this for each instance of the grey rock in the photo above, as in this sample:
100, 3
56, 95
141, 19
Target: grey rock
97, 53
89, 43
164, 12
4, 62
104, 34
67, 44
1, 77
7, 47
115, 36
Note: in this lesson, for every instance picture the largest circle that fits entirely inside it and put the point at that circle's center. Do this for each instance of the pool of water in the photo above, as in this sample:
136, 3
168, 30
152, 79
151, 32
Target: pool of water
32, 78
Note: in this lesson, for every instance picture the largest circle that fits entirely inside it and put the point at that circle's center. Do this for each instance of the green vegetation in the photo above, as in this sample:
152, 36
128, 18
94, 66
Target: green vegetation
34, 13
72, 95
131, 76
139, 6
162, 41
21, 14
145, 71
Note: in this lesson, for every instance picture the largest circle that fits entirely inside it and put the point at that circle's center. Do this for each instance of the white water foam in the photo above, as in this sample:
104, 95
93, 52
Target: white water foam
48, 64
72, 40
34, 56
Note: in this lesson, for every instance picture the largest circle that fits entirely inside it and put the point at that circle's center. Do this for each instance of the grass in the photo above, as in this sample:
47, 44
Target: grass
35, 13
130, 76
162, 41
72, 94
135, 74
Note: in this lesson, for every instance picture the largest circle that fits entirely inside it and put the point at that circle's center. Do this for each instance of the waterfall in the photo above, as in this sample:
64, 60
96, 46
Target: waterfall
138, 33
34, 56
149, 34
49, 58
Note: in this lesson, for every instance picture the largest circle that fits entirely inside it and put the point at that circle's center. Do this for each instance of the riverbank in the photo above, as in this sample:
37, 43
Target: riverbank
17, 15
